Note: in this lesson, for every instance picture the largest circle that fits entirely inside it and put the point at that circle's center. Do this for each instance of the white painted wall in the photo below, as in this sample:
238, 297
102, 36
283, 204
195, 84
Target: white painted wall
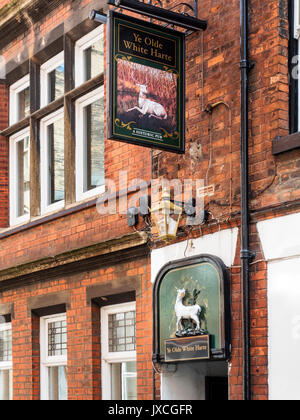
188, 382
221, 244
284, 329
280, 238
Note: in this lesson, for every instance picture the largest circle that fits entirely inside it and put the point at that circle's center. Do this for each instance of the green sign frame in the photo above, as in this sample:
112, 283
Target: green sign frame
146, 84
207, 276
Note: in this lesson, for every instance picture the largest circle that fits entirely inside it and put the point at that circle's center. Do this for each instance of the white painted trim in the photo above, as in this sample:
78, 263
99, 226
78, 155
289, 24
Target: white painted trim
112, 357
81, 45
80, 105
46, 68
280, 236
5, 326
48, 361
221, 244
5, 365
14, 90
21, 135
284, 315
280, 239
45, 122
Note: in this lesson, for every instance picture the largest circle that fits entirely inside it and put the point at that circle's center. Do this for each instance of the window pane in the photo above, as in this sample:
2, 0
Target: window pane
23, 177
123, 381
94, 145
93, 60
121, 329
57, 338
6, 385
58, 388
56, 176
116, 381
23, 104
129, 382
5, 346
56, 83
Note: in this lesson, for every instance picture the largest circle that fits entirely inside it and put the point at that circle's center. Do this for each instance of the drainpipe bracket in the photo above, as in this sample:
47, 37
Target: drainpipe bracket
247, 254
155, 358
245, 64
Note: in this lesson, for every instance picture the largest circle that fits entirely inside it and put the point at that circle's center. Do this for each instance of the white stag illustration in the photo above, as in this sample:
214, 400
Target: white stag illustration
186, 312
146, 106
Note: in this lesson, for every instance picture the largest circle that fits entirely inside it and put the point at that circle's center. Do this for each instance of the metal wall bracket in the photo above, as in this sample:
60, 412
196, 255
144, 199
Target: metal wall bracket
183, 19
134, 212
244, 64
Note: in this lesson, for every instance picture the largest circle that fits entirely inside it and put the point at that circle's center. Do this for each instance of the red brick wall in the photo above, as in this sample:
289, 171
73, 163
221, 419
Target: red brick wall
213, 141
213, 147
71, 232
80, 229
269, 107
3, 3
258, 325
212, 154
219, 132
83, 322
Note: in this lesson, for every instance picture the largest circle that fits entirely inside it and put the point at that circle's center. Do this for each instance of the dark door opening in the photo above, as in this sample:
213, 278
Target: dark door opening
216, 388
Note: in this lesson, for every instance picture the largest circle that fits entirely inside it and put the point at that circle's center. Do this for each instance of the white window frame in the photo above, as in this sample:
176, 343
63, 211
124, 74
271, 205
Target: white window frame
112, 357
14, 90
81, 103
81, 45
47, 68
7, 365
48, 361
45, 122
13, 140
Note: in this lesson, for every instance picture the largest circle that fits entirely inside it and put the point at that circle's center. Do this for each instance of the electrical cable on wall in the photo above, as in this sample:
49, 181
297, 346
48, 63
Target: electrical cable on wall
209, 109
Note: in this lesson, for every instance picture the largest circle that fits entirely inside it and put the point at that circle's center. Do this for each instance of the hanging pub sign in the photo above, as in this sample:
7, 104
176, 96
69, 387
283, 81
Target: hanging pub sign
146, 84
192, 311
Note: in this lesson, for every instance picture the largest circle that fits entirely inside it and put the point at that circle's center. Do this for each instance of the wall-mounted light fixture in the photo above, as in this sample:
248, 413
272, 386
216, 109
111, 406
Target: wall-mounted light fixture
166, 215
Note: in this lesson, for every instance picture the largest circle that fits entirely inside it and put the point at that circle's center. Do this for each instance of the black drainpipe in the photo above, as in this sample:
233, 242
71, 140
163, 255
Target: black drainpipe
246, 255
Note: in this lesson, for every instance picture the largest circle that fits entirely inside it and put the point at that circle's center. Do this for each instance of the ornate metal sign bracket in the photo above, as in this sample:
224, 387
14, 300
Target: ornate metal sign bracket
171, 17
183, 8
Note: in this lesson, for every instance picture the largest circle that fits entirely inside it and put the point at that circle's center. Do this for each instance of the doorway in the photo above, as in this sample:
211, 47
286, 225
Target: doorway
195, 381
216, 388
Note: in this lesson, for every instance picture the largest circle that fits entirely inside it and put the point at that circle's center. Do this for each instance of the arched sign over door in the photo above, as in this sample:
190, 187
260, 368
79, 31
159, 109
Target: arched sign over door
192, 310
